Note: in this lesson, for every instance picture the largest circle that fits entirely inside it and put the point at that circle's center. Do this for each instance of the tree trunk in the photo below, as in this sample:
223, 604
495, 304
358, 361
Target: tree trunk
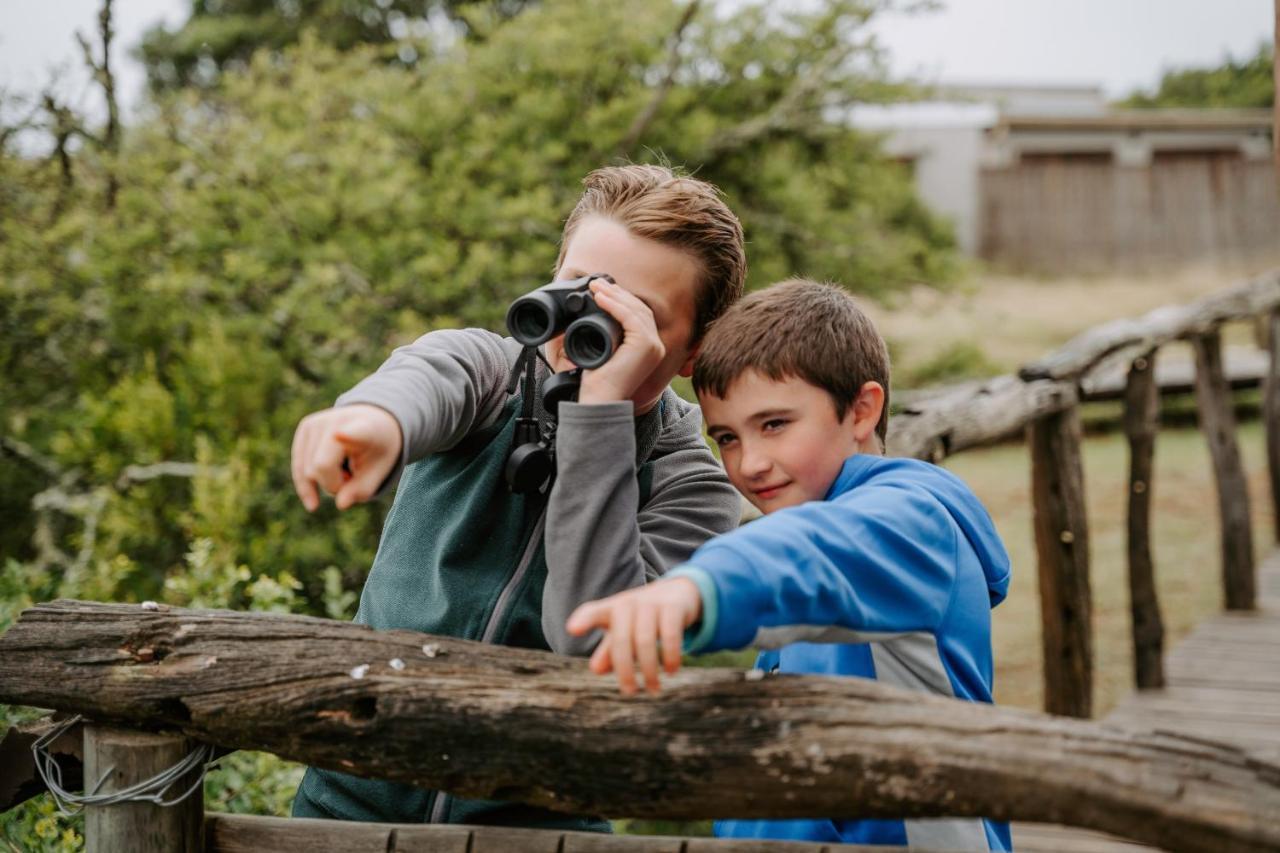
504, 723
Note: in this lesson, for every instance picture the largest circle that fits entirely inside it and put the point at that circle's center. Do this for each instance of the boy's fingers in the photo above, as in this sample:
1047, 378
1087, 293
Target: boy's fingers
619, 641
601, 661
646, 645
593, 614
325, 464
298, 454
671, 632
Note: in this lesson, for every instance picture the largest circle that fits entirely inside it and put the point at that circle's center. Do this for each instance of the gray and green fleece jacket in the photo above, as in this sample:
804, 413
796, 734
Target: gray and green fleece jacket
462, 556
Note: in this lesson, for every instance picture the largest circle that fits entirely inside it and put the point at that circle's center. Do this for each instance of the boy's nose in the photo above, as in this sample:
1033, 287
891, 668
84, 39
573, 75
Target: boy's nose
753, 462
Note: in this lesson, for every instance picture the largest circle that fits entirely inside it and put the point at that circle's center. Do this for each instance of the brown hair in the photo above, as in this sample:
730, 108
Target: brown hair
797, 328
688, 214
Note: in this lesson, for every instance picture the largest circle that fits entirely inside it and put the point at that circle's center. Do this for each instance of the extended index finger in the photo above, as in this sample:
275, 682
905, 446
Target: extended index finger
305, 487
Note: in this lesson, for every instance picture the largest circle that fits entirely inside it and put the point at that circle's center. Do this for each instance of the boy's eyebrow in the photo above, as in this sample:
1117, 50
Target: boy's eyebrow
755, 418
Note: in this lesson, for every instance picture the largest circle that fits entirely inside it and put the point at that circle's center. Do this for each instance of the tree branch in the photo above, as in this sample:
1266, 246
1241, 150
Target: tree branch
646, 116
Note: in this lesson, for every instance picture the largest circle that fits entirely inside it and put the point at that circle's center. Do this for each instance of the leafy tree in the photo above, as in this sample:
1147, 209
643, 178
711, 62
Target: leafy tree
221, 34
1248, 83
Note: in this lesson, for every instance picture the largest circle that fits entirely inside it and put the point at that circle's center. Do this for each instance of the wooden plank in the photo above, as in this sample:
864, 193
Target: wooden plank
1219, 425
123, 758
232, 833
1062, 550
1047, 838
1141, 420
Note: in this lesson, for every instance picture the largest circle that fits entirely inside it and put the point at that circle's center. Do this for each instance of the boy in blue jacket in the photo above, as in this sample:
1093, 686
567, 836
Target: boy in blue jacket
863, 566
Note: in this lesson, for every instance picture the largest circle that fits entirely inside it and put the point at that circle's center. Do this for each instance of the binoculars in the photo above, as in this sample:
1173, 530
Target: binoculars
591, 335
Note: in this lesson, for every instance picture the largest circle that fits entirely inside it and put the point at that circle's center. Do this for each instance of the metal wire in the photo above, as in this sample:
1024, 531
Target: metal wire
150, 790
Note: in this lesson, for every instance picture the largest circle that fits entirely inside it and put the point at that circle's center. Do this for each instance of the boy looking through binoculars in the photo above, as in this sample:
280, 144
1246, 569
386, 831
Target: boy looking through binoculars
635, 490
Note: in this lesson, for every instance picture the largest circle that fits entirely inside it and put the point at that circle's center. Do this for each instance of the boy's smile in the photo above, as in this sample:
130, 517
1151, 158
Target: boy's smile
780, 440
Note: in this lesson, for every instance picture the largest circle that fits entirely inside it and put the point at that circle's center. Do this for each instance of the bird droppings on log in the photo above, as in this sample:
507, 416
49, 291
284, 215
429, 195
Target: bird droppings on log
753, 675
360, 671
396, 664
431, 650
150, 605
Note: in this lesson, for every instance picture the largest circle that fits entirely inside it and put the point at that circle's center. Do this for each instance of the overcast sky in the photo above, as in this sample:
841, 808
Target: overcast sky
1118, 44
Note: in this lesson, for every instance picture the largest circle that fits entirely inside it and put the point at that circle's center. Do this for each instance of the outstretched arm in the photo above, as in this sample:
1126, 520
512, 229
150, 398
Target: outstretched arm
425, 397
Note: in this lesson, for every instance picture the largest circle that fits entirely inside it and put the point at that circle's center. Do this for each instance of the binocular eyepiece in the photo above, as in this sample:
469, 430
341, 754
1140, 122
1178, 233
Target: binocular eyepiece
591, 335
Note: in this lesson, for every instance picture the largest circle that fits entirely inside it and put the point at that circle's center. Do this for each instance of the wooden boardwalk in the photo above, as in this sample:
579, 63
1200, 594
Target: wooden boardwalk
1223, 684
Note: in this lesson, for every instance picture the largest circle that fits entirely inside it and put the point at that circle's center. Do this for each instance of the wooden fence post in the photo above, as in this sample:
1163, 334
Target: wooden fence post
1141, 420
129, 757
1217, 419
1271, 409
1062, 549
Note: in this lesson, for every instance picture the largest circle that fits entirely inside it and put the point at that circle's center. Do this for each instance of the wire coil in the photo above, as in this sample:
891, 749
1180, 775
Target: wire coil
151, 790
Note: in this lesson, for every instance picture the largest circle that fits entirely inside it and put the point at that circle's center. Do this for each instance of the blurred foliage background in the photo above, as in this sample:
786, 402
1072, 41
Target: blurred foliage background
315, 182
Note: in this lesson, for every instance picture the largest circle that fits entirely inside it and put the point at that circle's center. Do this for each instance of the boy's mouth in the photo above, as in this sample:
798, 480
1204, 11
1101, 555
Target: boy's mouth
768, 492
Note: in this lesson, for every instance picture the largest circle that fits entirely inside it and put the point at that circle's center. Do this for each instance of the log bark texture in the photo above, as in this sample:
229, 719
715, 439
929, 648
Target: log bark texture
1218, 421
973, 414
504, 723
1062, 556
1141, 421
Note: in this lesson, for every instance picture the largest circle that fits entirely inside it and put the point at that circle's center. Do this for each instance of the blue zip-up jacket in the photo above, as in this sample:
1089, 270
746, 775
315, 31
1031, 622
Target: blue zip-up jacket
892, 576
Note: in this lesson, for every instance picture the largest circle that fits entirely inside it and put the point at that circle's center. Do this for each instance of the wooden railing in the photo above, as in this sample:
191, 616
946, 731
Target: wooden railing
1043, 399
500, 723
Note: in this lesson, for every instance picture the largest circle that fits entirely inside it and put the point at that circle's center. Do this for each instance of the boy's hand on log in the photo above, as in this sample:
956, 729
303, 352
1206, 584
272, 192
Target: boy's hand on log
347, 451
635, 623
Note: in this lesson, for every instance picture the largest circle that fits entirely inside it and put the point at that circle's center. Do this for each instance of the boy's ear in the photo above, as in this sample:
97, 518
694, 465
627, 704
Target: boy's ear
867, 408
686, 369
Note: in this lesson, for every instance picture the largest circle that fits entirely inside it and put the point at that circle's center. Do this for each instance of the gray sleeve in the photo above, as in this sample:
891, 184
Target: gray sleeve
599, 541
439, 388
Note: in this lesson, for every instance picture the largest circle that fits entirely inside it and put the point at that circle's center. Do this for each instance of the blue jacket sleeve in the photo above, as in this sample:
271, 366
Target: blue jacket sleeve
875, 562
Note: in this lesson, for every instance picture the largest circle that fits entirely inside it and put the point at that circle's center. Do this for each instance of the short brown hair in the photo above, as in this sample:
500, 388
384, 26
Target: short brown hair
679, 211
797, 328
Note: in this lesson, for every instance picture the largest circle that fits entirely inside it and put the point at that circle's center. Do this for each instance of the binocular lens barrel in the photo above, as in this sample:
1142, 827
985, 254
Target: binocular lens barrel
591, 340
533, 319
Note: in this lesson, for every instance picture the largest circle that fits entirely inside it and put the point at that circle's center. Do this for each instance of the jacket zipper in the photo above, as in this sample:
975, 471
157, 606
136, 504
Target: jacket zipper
439, 808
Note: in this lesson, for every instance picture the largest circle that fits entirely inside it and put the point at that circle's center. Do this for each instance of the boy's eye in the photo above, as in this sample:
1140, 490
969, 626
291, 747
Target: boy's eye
723, 438
774, 424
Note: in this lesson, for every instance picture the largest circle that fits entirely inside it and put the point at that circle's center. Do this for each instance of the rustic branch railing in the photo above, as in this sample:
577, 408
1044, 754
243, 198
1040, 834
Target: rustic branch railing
1043, 399
501, 723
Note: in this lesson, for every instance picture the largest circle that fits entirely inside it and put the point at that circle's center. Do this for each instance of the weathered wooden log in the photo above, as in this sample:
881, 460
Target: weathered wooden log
121, 759
1128, 338
504, 723
1062, 555
973, 414
1271, 409
1218, 421
1141, 421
